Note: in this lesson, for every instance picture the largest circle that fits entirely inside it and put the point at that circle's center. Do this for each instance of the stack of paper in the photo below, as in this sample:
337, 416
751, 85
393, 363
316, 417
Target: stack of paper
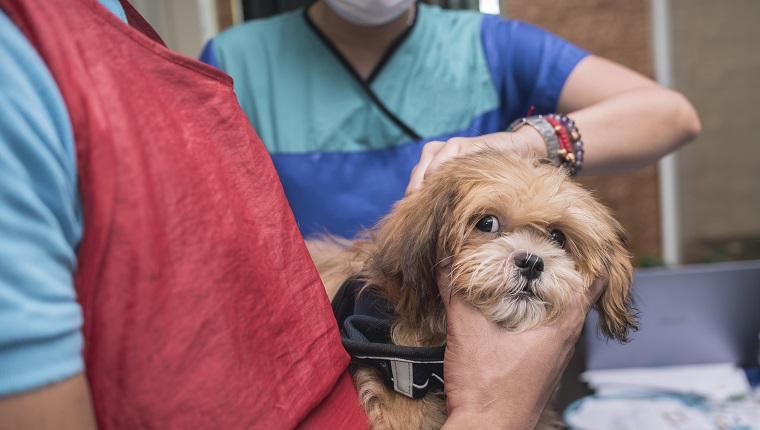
718, 382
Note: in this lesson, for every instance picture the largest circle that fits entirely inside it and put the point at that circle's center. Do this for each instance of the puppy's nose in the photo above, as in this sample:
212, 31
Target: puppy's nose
530, 265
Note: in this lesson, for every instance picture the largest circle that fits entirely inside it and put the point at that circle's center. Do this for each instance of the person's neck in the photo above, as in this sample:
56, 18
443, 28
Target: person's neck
362, 47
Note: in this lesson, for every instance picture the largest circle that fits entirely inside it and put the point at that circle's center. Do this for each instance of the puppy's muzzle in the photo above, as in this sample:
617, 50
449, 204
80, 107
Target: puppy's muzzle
531, 266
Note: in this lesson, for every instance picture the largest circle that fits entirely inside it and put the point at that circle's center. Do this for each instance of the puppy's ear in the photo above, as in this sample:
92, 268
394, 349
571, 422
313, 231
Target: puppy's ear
616, 306
407, 247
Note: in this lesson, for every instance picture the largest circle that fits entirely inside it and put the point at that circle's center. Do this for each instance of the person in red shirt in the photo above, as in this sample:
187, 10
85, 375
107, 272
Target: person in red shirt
197, 303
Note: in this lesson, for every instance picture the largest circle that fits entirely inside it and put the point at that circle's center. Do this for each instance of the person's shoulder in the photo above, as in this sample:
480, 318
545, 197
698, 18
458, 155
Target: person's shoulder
261, 29
440, 17
448, 27
40, 213
28, 91
503, 26
455, 25
513, 23
262, 39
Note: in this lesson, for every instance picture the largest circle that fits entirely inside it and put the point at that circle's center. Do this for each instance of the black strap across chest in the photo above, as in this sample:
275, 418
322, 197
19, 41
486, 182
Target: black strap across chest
365, 324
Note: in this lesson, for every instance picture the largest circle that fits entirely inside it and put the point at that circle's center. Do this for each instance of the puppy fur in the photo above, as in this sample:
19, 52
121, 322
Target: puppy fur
484, 218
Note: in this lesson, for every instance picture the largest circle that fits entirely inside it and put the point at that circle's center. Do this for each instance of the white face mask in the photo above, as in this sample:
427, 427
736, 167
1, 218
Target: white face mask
369, 12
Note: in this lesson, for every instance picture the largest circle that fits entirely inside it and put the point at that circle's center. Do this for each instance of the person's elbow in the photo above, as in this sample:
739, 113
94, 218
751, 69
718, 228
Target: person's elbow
687, 122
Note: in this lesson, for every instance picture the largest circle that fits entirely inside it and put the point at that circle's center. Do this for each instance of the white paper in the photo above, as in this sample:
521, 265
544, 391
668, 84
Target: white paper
717, 382
694, 397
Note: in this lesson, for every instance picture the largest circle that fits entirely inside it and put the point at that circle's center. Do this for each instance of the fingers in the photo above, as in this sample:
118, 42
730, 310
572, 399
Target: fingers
426, 158
595, 291
462, 319
433, 154
436, 152
573, 319
443, 278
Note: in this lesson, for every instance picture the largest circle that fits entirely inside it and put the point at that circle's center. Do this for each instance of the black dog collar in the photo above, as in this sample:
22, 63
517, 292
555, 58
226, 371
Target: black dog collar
365, 325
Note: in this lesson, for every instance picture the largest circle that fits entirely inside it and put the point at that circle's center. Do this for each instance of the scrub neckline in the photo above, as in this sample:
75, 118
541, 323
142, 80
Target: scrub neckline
366, 83
387, 55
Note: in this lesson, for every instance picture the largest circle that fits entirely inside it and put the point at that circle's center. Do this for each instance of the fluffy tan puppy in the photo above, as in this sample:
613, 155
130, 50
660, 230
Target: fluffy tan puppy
517, 236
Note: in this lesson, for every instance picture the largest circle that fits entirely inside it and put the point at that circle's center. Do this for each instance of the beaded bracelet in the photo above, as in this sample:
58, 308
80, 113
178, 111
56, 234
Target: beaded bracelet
575, 139
562, 138
566, 154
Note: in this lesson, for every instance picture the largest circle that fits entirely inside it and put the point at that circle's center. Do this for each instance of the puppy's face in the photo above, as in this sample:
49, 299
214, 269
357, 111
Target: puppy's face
518, 237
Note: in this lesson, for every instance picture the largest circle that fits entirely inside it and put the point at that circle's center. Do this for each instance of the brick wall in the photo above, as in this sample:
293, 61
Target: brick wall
717, 65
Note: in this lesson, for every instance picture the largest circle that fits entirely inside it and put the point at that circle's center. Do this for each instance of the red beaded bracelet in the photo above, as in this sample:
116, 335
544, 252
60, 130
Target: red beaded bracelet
566, 155
574, 137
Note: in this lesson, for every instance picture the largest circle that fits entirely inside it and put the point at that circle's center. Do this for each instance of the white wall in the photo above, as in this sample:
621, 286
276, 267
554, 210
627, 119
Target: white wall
185, 25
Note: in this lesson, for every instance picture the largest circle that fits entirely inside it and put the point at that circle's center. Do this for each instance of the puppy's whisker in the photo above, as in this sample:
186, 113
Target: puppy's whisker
489, 271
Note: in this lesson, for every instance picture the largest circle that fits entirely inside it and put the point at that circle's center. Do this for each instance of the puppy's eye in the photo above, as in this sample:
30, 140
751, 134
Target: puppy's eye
488, 224
557, 237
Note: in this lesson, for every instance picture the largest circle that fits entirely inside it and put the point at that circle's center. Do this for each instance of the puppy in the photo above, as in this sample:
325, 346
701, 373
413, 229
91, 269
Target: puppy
516, 235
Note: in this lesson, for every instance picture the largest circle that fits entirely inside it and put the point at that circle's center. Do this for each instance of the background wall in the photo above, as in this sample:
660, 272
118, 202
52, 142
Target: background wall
717, 65
184, 25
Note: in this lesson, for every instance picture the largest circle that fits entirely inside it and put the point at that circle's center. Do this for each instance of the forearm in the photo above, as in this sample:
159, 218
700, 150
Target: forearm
634, 129
519, 407
62, 406
626, 132
626, 120
498, 420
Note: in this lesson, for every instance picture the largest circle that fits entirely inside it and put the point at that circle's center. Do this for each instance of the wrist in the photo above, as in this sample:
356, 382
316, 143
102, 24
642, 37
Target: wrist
530, 140
481, 418
561, 137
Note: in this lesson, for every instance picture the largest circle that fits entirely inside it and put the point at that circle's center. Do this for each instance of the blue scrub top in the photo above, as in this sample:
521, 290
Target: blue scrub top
344, 147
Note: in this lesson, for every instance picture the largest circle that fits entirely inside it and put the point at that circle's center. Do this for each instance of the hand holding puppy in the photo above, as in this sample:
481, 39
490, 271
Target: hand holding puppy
499, 379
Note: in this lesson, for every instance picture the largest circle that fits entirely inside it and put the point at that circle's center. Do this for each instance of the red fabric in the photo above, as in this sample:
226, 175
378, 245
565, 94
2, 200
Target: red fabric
202, 309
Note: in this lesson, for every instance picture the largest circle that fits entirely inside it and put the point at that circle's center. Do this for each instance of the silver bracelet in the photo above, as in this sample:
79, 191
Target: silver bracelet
545, 129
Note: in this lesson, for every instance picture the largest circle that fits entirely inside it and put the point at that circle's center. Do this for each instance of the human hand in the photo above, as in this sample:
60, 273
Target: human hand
500, 379
524, 141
